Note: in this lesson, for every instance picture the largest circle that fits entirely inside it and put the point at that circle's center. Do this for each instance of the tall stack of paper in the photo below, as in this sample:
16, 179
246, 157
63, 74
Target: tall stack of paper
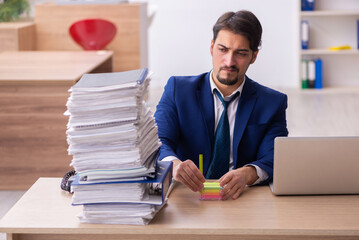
124, 202
113, 138
115, 213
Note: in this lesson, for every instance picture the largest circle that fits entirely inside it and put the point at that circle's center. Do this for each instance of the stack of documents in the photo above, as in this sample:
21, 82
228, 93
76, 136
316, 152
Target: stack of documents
111, 132
113, 138
119, 213
124, 202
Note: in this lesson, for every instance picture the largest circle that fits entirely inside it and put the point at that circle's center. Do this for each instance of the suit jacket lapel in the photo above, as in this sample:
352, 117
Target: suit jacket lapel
206, 105
245, 106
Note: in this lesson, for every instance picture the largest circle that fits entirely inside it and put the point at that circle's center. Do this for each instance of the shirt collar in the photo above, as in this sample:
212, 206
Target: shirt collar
213, 86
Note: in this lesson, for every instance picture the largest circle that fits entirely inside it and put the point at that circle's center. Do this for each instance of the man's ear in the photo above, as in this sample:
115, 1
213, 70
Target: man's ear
212, 45
254, 57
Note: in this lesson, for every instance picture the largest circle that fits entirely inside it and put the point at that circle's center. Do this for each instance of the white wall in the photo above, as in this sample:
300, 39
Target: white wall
181, 31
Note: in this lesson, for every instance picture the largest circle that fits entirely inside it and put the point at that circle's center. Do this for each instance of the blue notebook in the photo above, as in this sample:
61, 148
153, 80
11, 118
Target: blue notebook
318, 74
308, 5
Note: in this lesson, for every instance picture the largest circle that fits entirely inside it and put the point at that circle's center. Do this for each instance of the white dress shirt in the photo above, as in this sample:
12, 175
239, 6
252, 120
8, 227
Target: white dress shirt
231, 112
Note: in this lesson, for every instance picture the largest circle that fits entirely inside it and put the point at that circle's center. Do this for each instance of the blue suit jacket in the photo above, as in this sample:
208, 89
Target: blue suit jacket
185, 119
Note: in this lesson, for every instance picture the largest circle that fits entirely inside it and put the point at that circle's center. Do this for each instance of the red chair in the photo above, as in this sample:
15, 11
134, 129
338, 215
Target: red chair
93, 34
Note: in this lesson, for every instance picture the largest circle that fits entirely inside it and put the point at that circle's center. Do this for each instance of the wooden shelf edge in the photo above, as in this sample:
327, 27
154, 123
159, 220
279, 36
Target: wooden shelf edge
320, 13
331, 89
329, 52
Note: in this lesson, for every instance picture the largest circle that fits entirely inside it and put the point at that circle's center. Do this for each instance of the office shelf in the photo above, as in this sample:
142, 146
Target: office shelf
321, 13
329, 52
333, 23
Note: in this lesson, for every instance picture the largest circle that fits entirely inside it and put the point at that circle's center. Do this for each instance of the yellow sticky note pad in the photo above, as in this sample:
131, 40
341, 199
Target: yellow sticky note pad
211, 191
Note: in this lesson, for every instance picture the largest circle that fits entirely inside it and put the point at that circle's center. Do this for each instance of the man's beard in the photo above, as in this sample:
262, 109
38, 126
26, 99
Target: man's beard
228, 81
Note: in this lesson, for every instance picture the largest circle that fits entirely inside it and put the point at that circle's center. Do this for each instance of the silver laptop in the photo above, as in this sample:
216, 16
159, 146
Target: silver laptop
316, 165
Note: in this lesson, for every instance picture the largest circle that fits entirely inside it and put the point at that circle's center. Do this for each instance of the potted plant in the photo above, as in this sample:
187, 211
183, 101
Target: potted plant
11, 10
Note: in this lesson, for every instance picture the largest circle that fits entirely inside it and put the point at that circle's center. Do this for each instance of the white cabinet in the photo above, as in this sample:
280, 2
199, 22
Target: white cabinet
334, 23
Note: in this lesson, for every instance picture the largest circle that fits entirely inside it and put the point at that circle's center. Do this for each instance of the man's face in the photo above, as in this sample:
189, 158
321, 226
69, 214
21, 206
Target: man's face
231, 57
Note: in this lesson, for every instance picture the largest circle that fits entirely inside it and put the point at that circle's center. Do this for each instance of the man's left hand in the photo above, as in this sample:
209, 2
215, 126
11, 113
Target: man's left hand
235, 181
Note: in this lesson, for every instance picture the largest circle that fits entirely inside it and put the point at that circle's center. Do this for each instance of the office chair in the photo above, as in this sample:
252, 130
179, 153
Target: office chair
93, 34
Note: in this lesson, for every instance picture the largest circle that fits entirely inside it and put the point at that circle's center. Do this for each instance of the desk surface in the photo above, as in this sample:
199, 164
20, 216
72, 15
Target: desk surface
51, 66
45, 209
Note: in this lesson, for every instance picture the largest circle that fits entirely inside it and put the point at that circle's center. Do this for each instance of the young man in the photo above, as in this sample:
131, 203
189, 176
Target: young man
223, 114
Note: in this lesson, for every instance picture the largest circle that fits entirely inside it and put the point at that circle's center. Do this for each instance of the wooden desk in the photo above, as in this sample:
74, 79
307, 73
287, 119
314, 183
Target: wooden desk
55, 67
45, 212
17, 36
33, 95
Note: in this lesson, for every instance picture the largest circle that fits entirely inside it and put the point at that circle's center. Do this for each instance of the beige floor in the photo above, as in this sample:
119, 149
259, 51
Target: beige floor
329, 112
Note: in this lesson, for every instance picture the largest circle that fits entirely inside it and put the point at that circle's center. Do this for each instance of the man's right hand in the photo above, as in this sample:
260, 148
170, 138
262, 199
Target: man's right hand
187, 173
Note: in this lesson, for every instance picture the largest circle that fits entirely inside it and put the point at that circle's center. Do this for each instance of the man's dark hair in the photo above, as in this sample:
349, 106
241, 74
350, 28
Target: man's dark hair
242, 22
